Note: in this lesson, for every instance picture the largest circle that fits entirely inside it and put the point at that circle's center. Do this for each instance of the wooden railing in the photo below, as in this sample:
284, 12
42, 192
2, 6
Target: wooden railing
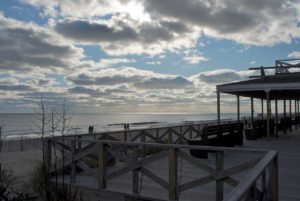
259, 180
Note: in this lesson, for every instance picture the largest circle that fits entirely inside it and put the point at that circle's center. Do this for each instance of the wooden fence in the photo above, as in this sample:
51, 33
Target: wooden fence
259, 180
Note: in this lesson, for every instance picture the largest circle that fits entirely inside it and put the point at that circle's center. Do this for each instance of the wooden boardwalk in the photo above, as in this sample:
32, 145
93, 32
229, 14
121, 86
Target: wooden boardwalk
288, 147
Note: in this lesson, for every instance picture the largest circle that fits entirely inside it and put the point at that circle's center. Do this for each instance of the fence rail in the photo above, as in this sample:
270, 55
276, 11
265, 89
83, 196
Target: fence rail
262, 169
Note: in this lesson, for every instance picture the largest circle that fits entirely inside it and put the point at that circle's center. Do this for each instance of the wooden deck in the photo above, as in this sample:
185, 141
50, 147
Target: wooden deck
288, 147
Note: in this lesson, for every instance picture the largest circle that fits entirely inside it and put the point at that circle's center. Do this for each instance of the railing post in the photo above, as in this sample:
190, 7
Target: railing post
79, 144
102, 165
143, 140
191, 132
73, 164
170, 138
219, 182
48, 154
125, 135
274, 175
173, 194
135, 181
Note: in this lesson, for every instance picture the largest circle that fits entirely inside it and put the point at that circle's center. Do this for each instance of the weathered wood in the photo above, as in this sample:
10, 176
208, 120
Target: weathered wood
135, 181
191, 132
73, 164
238, 107
155, 178
274, 175
196, 182
136, 165
219, 182
173, 194
218, 107
87, 169
250, 178
102, 165
170, 137
252, 110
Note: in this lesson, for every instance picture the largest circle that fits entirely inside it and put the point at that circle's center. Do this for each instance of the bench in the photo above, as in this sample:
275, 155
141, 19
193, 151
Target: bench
222, 135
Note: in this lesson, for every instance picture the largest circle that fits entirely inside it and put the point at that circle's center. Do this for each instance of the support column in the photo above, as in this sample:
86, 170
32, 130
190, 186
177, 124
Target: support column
268, 113
276, 117
284, 116
252, 111
238, 108
218, 107
290, 105
262, 108
295, 115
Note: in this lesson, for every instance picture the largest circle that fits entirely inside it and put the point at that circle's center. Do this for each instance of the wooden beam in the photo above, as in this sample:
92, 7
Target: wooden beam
276, 117
268, 113
238, 107
102, 165
173, 194
274, 174
73, 165
290, 107
135, 181
218, 107
219, 182
262, 108
252, 111
250, 179
284, 116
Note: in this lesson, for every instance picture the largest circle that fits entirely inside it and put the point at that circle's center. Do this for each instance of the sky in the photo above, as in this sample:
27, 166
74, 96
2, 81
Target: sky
138, 56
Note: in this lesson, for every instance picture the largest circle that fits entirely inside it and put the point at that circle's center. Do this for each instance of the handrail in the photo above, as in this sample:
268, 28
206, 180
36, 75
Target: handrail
159, 145
242, 188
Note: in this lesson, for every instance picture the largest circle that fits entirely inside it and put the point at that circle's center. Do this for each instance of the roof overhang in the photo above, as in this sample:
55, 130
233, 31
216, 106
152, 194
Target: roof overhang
285, 87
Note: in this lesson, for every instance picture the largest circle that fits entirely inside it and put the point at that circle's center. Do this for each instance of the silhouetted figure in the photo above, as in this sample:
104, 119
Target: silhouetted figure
90, 129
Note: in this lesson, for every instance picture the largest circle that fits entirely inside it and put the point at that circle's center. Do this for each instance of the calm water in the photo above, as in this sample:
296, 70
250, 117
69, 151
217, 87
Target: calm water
25, 124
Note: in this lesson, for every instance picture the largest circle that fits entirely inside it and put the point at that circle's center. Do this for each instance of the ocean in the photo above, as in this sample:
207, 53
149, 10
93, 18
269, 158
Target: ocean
13, 125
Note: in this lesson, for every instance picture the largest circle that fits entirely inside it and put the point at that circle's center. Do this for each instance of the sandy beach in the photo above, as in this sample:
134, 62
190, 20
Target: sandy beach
22, 165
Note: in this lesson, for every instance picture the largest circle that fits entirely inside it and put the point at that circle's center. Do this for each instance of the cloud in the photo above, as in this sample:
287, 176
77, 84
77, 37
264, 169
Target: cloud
137, 78
294, 54
105, 63
220, 76
194, 59
123, 35
259, 22
19, 87
26, 46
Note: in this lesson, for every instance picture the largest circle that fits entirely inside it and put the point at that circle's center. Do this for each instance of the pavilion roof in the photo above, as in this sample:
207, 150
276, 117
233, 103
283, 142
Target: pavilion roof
280, 86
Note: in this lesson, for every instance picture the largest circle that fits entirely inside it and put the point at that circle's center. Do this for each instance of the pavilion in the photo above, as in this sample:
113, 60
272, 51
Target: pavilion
283, 85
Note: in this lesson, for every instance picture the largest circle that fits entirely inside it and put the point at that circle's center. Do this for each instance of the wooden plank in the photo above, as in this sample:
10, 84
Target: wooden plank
87, 169
274, 174
173, 194
135, 181
136, 164
102, 165
155, 178
196, 182
73, 164
219, 182
251, 177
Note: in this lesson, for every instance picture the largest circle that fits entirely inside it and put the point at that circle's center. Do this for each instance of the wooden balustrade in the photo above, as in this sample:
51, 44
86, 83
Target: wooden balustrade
263, 168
